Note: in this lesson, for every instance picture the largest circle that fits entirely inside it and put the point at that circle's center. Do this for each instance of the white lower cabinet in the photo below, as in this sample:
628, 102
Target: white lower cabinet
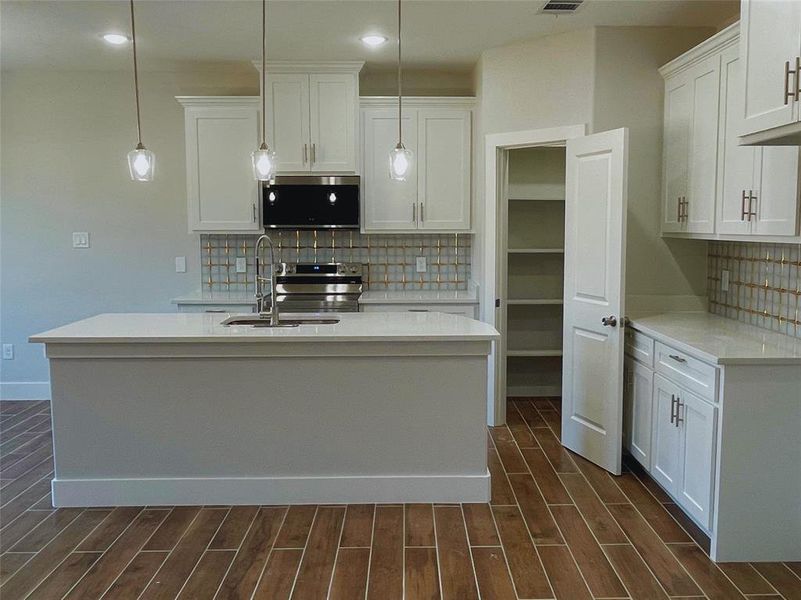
637, 407
672, 432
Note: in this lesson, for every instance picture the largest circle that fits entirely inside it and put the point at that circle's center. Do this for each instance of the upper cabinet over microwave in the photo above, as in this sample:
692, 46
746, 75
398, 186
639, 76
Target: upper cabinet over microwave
312, 116
770, 49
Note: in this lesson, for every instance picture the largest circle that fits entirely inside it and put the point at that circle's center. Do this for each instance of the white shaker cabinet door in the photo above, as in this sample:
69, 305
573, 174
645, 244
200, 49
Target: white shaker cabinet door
698, 424
332, 107
221, 192
737, 164
288, 120
776, 203
666, 436
676, 165
699, 209
389, 205
770, 33
638, 411
443, 172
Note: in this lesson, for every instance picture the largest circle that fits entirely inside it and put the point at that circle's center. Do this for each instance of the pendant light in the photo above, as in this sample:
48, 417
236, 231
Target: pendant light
400, 158
141, 161
263, 159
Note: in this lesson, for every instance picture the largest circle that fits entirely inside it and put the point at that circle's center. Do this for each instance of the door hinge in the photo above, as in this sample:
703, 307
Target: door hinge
497, 302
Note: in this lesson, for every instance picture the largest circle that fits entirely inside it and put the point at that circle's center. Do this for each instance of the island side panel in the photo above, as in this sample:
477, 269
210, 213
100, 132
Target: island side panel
758, 495
267, 429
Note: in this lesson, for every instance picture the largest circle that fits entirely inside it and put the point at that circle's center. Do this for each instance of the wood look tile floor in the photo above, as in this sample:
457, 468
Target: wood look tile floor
557, 527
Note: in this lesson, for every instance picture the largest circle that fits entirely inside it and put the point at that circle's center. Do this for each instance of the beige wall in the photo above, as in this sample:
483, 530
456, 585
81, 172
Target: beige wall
629, 93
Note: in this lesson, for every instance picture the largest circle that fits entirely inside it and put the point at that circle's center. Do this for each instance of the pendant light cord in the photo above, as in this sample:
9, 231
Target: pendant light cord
139, 146
263, 74
400, 83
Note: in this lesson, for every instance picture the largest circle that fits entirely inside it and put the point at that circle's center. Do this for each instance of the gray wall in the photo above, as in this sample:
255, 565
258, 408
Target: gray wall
64, 139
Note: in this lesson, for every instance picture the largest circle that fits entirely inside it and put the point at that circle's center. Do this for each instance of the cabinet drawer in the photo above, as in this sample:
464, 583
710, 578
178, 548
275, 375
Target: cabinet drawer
695, 375
640, 347
464, 310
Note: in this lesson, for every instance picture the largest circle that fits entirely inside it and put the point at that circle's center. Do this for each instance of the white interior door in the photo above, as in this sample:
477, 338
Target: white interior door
595, 249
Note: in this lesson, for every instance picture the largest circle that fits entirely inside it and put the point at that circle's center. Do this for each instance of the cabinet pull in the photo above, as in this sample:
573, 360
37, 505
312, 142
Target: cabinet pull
797, 93
672, 408
791, 94
677, 358
679, 404
751, 198
305, 153
685, 212
418, 310
314, 153
678, 209
422, 217
254, 212
742, 208
414, 212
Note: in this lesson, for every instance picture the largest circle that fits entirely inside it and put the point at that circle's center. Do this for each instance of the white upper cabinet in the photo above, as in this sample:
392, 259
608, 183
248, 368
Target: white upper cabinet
388, 205
443, 172
692, 92
221, 132
436, 195
312, 116
714, 187
288, 120
771, 52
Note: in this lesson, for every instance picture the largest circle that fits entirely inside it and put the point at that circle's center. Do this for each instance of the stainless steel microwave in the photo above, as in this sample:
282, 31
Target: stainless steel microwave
311, 202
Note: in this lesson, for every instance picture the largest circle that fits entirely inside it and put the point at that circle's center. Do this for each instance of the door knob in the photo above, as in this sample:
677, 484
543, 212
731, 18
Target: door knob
610, 321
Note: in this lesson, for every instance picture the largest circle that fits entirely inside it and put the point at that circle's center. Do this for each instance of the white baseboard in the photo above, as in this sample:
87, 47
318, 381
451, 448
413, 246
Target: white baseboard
25, 390
271, 490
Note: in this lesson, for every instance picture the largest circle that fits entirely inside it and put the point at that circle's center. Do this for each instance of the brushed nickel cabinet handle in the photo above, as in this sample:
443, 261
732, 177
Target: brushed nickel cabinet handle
305, 153
414, 212
678, 209
751, 198
742, 208
686, 212
787, 93
672, 407
677, 358
422, 214
797, 86
254, 212
679, 404
314, 153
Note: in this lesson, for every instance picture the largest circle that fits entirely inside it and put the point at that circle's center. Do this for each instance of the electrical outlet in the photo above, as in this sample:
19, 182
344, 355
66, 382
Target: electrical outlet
421, 264
80, 239
241, 264
724, 281
8, 351
180, 264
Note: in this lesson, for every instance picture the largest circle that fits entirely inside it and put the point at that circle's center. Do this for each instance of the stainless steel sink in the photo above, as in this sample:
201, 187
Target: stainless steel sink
265, 322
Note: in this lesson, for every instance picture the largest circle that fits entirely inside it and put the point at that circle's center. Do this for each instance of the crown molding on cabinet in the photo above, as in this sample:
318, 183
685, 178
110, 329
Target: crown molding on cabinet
216, 100
411, 101
718, 42
289, 66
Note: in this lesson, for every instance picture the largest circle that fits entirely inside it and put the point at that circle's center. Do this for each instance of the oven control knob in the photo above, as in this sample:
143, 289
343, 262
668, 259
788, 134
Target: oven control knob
354, 269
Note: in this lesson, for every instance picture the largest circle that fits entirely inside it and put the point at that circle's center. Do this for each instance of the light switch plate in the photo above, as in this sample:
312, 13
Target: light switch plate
241, 264
180, 264
724, 281
421, 264
80, 239
8, 351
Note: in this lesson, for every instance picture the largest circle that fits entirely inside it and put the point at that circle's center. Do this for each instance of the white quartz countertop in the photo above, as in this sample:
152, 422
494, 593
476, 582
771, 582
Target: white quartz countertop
469, 296
720, 340
207, 327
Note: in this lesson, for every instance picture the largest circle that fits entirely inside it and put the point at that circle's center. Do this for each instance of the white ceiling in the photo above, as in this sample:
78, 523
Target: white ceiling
438, 34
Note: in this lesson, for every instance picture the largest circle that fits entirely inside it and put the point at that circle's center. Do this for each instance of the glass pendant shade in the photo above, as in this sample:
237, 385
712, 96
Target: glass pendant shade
263, 161
400, 162
141, 164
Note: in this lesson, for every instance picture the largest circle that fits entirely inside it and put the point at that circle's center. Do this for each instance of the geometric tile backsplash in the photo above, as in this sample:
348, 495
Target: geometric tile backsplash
390, 259
764, 284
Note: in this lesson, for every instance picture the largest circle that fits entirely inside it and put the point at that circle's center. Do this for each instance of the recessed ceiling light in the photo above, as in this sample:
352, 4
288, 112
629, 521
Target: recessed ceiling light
116, 39
373, 41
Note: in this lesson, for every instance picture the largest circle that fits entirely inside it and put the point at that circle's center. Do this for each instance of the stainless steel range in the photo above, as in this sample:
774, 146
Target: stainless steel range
318, 287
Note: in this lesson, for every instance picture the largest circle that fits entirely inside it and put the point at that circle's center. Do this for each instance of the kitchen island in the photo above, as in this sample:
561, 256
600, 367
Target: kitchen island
164, 409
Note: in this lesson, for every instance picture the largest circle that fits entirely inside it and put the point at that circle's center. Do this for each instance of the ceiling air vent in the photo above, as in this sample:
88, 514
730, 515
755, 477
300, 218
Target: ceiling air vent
561, 6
